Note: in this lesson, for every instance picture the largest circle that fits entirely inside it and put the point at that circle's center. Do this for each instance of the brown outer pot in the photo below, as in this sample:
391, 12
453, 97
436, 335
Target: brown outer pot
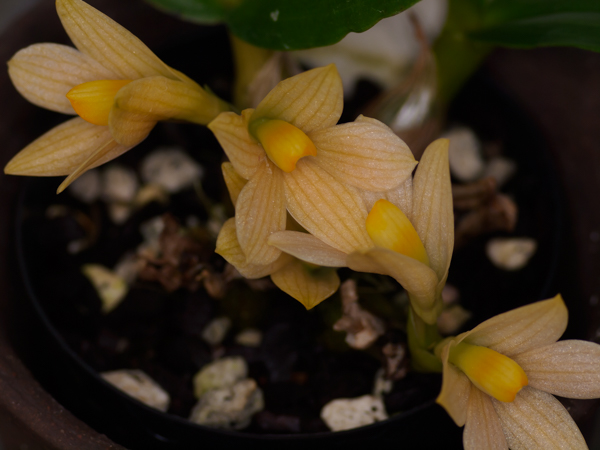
559, 88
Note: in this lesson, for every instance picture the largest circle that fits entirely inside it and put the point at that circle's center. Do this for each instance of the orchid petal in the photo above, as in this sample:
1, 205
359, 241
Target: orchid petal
456, 390
62, 149
229, 248
483, 429
260, 211
101, 38
414, 276
566, 368
310, 101
365, 153
141, 103
432, 213
106, 152
44, 73
329, 210
310, 286
536, 419
231, 130
308, 248
516, 331
401, 196
233, 180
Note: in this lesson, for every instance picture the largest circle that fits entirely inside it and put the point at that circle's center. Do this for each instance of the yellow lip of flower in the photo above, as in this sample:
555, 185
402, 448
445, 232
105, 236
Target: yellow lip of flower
389, 228
492, 372
283, 143
93, 100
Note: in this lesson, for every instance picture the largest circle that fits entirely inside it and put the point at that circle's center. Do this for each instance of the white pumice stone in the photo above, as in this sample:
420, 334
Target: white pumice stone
111, 288
345, 414
216, 330
149, 193
170, 168
87, 187
222, 373
119, 212
119, 184
151, 231
139, 385
382, 385
501, 168
250, 337
510, 253
231, 407
464, 153
128, 267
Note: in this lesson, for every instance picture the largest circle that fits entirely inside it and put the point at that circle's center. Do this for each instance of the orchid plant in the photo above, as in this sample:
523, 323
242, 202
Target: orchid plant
310, 196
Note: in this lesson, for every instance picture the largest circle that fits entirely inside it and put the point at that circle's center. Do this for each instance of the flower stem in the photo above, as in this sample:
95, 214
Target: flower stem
248, 60
422, 339
457, 56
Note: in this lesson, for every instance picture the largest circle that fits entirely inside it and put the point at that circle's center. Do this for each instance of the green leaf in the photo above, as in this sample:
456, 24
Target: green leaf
200, 11
474, 27
288, 24
500, 11
567, 29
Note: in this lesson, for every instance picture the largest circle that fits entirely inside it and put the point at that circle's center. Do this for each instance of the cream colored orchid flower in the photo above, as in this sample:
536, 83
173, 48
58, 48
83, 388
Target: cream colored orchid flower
410, 231
112, 81
498, 379
308, 284
295, 157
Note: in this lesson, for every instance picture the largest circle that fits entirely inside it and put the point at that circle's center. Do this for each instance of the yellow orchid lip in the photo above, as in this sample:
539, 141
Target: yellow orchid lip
389, 228
492, 372
283, 143
93, 100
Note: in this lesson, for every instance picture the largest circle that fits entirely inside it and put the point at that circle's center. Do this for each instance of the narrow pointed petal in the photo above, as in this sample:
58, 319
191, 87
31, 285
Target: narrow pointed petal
566, 368
483, 429
260, 211
418, 279
308, 248
234, 182
62, 149
432, 213
105, 153
44, 73
140, 104
537, 420
309, 285
310, 101
332, 212
231, 130
100, 37
514, 332
229, 248
456, 390
365, 153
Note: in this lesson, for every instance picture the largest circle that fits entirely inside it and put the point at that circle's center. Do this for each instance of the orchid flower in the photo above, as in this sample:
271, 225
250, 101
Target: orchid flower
118, 88
498, 379
290, 150
410, 231
308, 284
